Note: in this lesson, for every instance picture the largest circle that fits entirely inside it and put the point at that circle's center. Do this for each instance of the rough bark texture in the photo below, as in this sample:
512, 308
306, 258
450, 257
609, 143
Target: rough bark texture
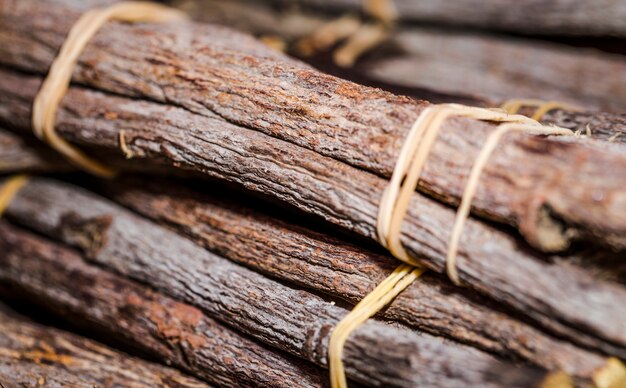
564, 17
562, 298
58, 280
32, 355
292, 320
463, 64
299, 255
218, 73
302, 256
340, 269
490, 261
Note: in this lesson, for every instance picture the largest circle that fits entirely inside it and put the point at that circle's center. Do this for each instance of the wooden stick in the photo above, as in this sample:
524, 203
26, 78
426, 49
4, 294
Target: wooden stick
293, 320
214, 71
276, 247
35, 355
491, 261
317, 261
560, 17
59, 281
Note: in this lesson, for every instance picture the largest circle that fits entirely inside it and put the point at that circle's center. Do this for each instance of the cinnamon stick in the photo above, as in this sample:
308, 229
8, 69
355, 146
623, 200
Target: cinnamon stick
35, 355
491, 261
216, 72
293, 320
59, 281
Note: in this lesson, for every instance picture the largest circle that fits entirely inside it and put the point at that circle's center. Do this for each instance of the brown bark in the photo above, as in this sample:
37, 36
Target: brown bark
463, 64
560, 17
58, 280
299, 255
293, 320
34, 355
572, 303
216, 72
307, 258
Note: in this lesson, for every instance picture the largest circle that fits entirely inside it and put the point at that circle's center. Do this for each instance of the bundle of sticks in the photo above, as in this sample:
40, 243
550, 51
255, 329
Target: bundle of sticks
243, 228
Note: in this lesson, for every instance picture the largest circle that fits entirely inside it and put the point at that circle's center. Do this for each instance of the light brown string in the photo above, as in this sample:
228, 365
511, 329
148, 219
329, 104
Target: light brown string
394, 205
328, 35
368, 35
361, 41
381, 296
10, 188
513, 106
403, 182
59, 76
360, 36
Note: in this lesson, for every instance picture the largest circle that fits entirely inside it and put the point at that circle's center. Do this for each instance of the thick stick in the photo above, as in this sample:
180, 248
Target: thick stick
292, 320
463, 64
532, 183
34, 355
560, 17
335, 267
562, 298
308, 258
58, 280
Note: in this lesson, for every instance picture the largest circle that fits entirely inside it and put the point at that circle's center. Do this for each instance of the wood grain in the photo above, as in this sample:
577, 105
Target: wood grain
57, 279
33, 355
295, 254
531, 183
562, 298
293, 320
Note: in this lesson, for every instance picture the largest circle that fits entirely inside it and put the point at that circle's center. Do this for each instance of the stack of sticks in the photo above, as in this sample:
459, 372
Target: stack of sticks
243, 228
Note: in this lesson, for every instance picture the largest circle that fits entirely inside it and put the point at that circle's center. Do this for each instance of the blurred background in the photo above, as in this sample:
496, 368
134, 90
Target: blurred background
468, 51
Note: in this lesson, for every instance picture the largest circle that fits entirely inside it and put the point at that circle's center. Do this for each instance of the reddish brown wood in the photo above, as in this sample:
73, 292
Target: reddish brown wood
59, 281
33, 355
531, 183
572, 302
293, 320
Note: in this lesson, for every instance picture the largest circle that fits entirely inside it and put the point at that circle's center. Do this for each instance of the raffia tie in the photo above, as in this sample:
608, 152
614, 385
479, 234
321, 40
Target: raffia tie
395, 198
59, 76
395, 201
542, 107
9, 190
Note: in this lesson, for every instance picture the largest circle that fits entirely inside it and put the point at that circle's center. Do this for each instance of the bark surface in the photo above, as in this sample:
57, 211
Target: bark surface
33, 355
58, 280
563, 298
335, 267
221, 74
281, 249
293, 320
